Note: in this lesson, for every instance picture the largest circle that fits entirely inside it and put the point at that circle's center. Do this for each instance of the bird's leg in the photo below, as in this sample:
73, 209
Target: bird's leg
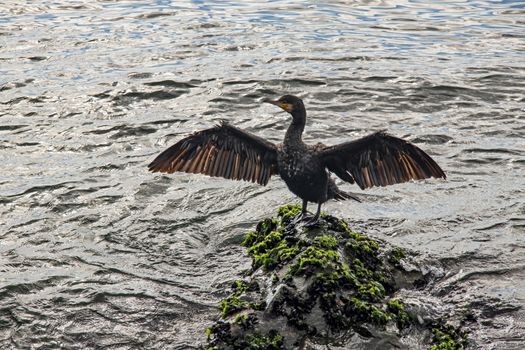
301, 216
315, 219
305, 205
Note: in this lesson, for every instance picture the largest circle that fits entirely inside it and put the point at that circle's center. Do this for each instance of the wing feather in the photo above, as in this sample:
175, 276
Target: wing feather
217, 162
196, 162
379, 159
223, 151
249, 170
229, 167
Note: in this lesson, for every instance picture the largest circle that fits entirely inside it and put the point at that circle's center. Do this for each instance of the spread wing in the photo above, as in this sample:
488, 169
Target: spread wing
379, 159
224, 151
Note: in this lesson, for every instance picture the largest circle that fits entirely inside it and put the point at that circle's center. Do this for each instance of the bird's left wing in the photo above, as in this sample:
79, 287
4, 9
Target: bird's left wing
379, 159
224, 151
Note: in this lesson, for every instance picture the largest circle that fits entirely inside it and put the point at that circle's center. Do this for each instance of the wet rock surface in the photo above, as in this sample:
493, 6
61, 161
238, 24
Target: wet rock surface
328, 285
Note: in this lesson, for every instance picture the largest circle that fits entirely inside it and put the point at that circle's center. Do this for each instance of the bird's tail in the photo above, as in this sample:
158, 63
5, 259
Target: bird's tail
342, 195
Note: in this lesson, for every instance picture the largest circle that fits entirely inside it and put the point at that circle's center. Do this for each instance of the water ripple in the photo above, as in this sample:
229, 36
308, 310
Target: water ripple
99, 253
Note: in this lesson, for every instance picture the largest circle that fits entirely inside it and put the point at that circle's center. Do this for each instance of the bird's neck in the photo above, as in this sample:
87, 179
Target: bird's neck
296, 128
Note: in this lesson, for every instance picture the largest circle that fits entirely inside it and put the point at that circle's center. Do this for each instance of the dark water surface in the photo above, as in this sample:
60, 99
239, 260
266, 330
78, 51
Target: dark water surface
95, 252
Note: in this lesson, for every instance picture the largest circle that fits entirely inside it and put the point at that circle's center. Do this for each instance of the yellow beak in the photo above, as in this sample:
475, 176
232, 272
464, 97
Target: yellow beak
286, 106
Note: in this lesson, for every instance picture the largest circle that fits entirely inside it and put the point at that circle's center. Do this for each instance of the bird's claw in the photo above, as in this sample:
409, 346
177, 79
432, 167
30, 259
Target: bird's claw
298, 218
306, 220
311, 222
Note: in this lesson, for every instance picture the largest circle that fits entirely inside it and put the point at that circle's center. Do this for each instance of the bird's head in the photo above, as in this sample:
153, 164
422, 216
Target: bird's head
291, 104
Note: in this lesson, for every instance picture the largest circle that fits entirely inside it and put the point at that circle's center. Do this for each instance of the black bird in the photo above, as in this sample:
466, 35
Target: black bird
378, 159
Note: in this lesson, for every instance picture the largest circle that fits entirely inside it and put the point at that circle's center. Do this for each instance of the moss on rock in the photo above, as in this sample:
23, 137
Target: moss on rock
243, 341
395, 255
397, 308
448, 338
269, 245
288, 212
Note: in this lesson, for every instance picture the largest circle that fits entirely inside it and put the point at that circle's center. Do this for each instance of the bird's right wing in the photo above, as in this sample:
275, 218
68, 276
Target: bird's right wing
224, 151
379, 159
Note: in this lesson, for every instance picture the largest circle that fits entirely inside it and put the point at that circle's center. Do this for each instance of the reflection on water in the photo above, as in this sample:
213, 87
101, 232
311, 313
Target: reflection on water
96, 252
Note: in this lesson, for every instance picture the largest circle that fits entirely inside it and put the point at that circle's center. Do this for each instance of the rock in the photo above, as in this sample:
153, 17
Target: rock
318, 285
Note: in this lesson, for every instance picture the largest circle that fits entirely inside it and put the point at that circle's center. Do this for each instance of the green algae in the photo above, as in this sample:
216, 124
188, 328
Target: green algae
371, 291
363, 311
359, 247
240, 319
233, 303
249, 340
448, 338
396, 255
326, 241
397, 308
287, 212
245, 321
312, 258
272, 341
341, 226
270, 246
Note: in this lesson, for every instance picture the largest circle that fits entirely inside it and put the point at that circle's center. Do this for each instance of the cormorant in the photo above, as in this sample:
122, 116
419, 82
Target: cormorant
378, 159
